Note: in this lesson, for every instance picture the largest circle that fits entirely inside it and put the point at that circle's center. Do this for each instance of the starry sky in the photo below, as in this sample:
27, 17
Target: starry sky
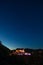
21, 23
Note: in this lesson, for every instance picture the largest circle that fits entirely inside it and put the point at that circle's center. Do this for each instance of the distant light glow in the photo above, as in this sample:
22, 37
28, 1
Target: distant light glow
28, 54
22, 51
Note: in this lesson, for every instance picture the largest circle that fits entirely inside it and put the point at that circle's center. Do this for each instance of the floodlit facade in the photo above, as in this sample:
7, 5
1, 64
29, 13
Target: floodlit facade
20, 52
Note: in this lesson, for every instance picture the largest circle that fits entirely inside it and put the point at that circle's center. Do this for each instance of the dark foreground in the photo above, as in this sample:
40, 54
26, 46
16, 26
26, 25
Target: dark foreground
21, 60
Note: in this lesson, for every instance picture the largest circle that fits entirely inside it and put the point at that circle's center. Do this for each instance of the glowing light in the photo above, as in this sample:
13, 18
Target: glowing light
28, 54
22, 51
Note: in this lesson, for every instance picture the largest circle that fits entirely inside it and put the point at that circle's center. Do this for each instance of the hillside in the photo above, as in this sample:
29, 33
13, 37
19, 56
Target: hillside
3, 50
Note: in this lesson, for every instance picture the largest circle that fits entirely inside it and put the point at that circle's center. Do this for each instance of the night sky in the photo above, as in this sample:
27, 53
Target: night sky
21, 23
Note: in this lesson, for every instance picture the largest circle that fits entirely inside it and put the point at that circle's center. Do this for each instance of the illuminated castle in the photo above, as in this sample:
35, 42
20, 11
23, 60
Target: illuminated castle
20, 51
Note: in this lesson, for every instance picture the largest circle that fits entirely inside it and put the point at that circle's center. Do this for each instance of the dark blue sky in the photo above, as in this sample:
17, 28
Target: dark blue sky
21, 23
